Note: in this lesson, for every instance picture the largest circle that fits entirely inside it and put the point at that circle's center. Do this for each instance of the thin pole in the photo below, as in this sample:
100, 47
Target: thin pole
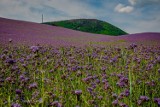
42, 18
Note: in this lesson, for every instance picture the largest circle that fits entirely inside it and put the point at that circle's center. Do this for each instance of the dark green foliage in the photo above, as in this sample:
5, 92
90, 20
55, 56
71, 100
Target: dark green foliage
89, 25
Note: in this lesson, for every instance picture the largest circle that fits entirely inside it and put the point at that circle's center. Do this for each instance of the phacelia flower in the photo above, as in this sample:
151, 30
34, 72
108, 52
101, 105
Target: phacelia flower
157, 100
115, 103
33, 85
144, 98
10, 61
10, 40
132, 46
126, 93
159, 71
18, 91
123, 105
16, 105
56, 104
78, 92
34, 48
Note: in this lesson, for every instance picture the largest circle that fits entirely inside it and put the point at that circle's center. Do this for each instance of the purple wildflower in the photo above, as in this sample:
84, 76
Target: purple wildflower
35, 94
139, 102
10, 40
120, 75
100, 97
126, 93
106, 86
159, 71
151, 83
87, 79
18, 91
105, 57
33, 85
9, 79
113, 60
24, 65
149, 67
23, 78
90, 89
34, 48
157, 100
144, 98
114, 95
93, 85
16, 105
115, 103
104, 80
10, 61
121, 96
123, 105
97, 81
132, 46
40, 100
79, 73
95, 77
103, 68
122, 82
158, 59
56, 104
91, 101
78, 92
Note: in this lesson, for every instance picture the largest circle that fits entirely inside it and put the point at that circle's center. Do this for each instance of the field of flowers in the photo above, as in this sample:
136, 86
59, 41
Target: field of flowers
89, 76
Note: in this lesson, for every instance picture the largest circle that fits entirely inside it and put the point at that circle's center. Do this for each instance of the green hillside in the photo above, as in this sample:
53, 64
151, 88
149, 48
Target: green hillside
89, 25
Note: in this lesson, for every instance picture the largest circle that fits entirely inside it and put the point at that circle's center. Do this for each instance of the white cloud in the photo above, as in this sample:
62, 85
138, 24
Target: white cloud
123, 9
144, 2
133, 2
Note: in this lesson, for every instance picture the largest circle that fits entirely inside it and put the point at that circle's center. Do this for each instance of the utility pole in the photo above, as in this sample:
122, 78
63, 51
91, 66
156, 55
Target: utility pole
42, 18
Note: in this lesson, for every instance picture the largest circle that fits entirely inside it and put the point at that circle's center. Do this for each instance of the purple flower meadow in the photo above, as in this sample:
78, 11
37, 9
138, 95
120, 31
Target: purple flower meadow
80, 76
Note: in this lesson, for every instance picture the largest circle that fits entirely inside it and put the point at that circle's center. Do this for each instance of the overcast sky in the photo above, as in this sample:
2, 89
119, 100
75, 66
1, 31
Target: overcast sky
133, 16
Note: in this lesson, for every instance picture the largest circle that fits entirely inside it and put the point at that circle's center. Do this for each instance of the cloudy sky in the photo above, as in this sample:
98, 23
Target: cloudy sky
133, 16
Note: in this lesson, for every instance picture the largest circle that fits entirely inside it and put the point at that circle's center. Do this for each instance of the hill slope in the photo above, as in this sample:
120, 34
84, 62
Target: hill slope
29, 33
22, 32
89, 25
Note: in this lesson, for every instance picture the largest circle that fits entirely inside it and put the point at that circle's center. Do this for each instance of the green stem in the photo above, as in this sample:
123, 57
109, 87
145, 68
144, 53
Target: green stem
130, 87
